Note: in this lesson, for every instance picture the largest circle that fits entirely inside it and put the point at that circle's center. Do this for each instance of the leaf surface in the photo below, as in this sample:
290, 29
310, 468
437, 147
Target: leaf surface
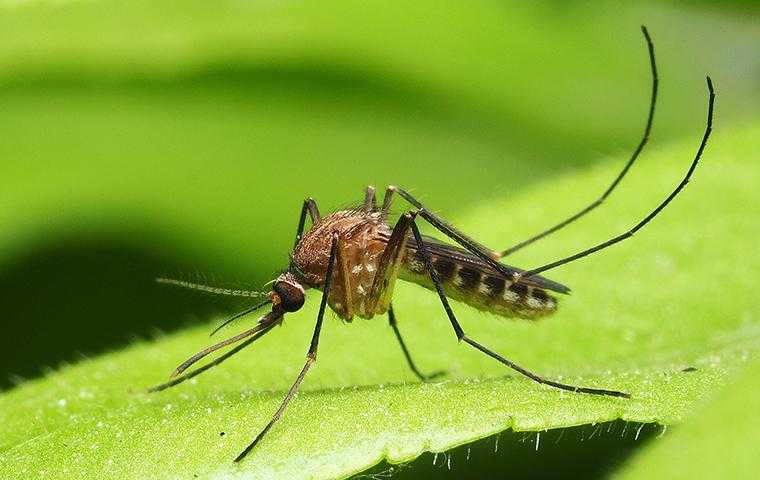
641, 314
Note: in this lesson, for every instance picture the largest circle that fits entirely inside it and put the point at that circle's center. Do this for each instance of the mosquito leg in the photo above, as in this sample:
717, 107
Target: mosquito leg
387, 199
379, 297
340, 285
310, 207
370, 204
489, 256
626, 167
412, 366
653, 213
311, 356
381, 291
462, 336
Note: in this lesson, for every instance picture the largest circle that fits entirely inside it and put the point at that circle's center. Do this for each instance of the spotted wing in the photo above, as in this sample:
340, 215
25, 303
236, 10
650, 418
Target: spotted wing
462, 257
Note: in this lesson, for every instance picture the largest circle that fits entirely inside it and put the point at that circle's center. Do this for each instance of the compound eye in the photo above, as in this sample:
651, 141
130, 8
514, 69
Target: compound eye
291, 296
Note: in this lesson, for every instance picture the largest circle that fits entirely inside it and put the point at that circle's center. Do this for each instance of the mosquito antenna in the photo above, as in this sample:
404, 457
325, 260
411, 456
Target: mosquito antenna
240, 314
263, 322
209, 288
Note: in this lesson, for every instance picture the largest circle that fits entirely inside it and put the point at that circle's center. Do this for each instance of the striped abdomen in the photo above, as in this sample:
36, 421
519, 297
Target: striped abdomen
468, 279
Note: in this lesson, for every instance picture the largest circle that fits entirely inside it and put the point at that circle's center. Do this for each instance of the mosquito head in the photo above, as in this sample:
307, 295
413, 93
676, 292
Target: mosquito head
288, 293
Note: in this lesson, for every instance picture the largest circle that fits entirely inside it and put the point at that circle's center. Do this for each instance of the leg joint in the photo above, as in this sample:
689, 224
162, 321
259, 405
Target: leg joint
411, 214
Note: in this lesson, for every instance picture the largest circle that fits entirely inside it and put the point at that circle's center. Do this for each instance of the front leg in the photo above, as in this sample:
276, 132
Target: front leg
311, 355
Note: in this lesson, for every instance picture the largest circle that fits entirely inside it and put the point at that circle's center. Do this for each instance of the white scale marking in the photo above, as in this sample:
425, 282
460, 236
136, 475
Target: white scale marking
534, 303
510, 296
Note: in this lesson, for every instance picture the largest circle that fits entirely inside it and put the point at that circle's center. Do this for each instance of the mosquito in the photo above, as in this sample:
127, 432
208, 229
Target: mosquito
354, 256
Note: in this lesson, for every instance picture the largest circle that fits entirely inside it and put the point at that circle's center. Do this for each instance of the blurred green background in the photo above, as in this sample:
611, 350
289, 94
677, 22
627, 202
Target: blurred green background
175, 138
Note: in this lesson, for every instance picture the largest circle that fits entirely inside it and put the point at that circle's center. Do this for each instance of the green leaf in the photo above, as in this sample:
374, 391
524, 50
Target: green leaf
719, 441
671, 298
195, 130
120, 109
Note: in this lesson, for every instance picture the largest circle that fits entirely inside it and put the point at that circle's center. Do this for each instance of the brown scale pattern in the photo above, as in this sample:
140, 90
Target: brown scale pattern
481, 288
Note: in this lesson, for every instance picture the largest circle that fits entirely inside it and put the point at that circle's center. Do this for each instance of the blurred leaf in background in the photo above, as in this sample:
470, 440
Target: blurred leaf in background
149, 138
622, 329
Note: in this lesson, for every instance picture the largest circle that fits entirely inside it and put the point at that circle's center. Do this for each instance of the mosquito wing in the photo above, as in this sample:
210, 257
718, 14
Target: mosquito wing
459, 255
469, 279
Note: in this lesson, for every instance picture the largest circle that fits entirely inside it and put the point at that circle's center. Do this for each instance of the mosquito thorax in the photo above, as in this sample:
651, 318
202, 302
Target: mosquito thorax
288, 293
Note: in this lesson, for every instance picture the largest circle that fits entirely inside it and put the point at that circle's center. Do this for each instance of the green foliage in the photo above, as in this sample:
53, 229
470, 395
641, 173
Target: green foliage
201, 126
718, 442
197, 132
640, 315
